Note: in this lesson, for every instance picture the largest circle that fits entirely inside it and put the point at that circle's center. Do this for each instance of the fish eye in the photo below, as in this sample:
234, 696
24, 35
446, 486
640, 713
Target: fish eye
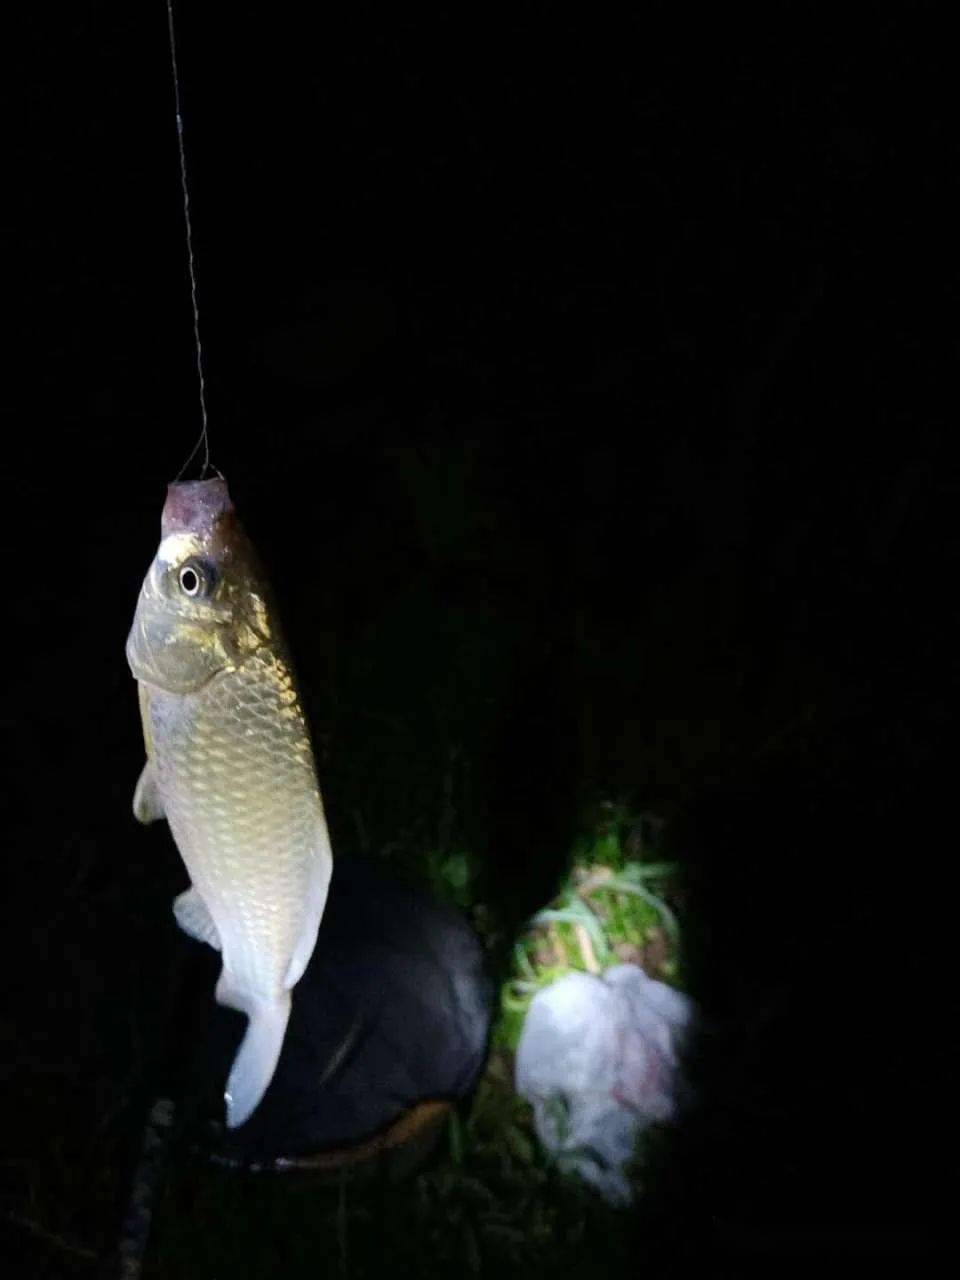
195, 579
189, 580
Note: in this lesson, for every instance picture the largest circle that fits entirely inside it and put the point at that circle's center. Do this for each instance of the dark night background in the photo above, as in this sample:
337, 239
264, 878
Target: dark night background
587, 384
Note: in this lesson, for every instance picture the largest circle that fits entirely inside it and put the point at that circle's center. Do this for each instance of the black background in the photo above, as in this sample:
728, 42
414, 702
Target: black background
588, 385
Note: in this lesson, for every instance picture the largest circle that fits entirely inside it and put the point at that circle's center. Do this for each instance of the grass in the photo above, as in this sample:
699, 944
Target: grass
613, 907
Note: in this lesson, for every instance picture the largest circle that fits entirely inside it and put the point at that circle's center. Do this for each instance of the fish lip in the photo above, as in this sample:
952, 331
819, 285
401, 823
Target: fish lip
195, 506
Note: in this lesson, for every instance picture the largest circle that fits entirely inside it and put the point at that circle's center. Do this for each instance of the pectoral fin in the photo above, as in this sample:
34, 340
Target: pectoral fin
194, 918
147, 805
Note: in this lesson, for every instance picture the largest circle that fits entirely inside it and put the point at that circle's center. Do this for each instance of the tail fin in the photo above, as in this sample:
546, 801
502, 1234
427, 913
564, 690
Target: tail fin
259, 1051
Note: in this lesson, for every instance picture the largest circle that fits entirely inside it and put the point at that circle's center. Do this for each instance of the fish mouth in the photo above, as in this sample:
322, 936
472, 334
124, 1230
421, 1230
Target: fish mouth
194, 506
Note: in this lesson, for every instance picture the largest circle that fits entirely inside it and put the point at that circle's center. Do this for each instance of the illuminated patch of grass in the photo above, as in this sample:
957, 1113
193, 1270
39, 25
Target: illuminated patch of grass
614, 906
617, 903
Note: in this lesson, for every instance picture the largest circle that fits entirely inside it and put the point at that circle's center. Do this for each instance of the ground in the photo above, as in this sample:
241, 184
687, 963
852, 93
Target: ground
489, 1198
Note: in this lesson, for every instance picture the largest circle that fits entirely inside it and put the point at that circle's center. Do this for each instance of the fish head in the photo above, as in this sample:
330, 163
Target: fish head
203, 607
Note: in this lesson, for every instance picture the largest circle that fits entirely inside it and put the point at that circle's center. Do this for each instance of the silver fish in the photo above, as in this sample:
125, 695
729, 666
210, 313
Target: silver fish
231, 768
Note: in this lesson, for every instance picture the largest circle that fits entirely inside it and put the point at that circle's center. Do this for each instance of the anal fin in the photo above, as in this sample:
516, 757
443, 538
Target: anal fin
194, 918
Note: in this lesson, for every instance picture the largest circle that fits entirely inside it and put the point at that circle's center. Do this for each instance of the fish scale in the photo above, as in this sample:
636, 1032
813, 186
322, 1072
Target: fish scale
235, 794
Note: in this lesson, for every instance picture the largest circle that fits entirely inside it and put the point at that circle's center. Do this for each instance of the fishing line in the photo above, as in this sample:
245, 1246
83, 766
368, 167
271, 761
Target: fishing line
203, 438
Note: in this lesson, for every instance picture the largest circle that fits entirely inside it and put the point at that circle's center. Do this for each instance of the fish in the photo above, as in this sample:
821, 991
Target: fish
230, 766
